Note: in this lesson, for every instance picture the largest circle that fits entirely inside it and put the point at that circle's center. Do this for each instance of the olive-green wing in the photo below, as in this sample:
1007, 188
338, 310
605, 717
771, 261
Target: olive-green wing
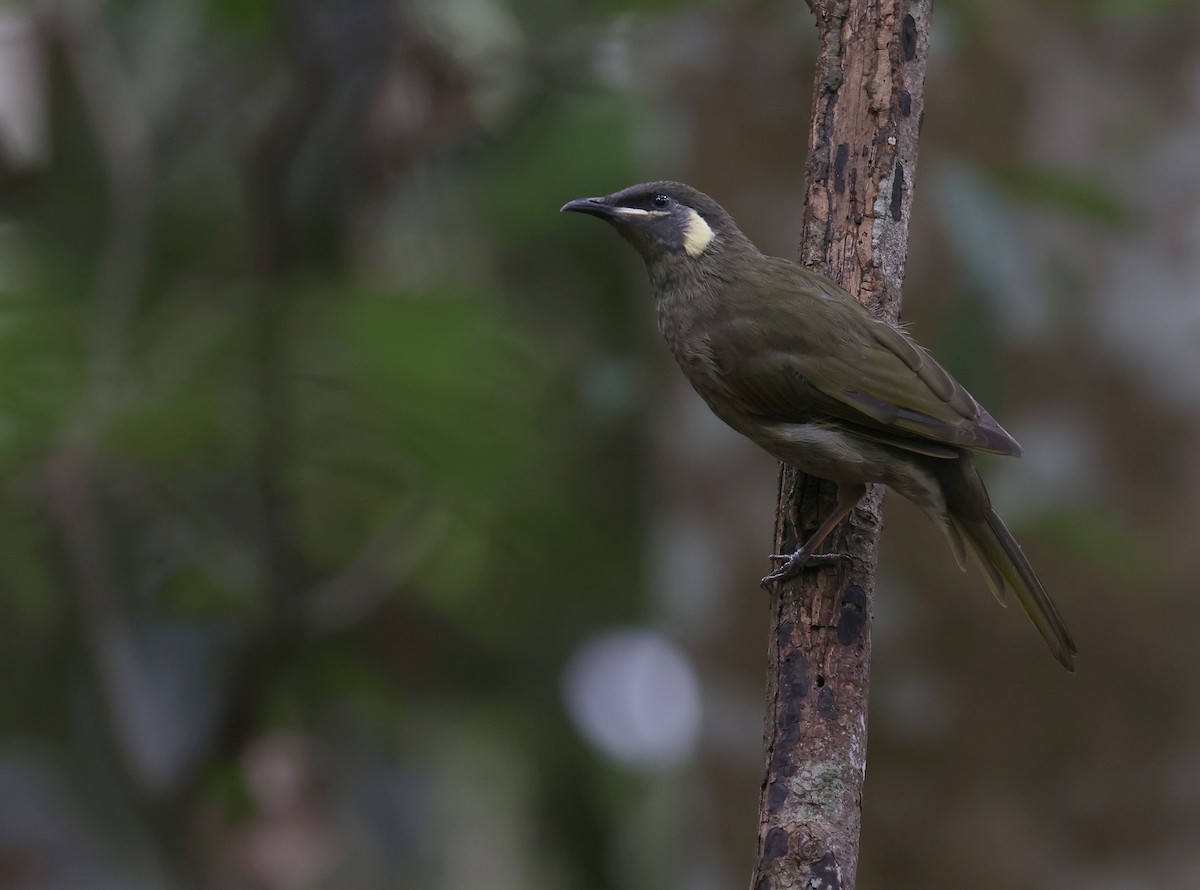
812, 350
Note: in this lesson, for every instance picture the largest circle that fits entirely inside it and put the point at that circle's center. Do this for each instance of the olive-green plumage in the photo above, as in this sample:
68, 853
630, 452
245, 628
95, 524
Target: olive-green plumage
792, 361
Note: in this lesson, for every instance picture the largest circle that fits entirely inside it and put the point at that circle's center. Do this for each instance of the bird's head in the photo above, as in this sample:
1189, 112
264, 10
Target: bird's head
666, 221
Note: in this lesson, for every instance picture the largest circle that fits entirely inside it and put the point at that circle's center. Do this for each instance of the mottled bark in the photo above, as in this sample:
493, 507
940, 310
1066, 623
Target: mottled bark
867, 109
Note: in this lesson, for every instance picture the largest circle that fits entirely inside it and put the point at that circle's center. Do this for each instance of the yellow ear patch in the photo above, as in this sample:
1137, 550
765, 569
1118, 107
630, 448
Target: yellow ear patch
697, 234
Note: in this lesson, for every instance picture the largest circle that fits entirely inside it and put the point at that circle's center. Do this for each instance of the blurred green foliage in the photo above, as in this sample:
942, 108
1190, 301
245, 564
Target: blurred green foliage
1064, 190
325, 441
280, 389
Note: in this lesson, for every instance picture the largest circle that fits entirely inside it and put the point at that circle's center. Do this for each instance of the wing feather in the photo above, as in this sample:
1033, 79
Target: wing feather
824, 355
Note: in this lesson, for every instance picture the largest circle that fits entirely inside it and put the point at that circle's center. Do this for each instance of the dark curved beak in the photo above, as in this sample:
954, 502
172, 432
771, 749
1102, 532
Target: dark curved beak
590, 206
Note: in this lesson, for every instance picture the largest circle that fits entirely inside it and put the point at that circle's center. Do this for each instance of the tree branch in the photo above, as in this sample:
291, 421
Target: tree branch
124, 138
867, 109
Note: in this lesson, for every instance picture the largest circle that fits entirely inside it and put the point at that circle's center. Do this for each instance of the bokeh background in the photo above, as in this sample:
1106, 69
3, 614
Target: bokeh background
356, 530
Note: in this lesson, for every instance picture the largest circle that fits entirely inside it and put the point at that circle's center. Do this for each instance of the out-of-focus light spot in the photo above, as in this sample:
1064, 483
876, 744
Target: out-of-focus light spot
917, 708
982, 233
634, 695
1061, 467
611, 386
691, 573
24, 131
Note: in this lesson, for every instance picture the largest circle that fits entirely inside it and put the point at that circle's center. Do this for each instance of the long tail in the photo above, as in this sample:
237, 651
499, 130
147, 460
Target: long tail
971, 520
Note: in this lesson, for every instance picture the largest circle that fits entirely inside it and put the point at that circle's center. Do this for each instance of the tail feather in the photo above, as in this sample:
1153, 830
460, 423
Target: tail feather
995, 580
970, 514
957, 542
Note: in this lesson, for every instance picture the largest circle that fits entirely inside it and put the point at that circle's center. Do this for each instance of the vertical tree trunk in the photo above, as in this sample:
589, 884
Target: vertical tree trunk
867, 109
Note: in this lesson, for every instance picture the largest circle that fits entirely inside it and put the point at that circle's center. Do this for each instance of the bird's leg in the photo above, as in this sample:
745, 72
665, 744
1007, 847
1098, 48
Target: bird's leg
848, 497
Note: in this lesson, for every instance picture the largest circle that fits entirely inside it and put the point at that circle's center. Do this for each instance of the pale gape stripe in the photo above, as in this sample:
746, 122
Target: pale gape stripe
637, 211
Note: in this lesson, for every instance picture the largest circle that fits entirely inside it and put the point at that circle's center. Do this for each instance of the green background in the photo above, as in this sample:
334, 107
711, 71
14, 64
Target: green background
327, 446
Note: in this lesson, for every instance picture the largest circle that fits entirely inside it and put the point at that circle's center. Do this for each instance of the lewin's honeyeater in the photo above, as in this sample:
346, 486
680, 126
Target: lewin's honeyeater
792, 361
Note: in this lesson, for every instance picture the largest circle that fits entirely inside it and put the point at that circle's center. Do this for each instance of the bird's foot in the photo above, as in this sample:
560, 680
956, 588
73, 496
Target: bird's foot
794, 562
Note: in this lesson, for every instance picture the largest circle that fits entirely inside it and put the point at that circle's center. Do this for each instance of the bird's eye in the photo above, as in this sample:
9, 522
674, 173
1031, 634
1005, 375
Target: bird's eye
661, 201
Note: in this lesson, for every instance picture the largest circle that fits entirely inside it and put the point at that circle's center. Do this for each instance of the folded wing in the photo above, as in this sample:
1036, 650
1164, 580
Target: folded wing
824, 356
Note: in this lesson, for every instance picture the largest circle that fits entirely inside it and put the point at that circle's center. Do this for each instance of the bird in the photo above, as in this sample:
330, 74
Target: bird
793, 362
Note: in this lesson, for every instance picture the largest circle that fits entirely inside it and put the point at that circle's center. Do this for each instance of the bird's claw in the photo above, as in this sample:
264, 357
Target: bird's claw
794, 562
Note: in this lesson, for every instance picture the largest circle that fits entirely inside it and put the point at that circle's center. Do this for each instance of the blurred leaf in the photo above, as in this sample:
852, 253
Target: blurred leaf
446, 381
42, 371
1088, 10
226, 784
982, 230
978, 224
1103, 540
183, 426
538, 12
361, 687
27, 583
247, 19
192, 592
560, 151
1063, 190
